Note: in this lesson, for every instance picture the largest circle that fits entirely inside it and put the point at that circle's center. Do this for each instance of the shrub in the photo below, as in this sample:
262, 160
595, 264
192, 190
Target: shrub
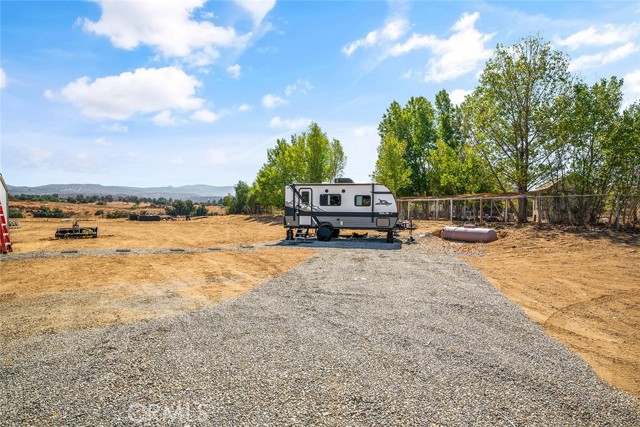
117, 214
45, 212
15, 214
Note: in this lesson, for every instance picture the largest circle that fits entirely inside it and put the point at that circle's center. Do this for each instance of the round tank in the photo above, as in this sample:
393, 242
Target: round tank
469, 234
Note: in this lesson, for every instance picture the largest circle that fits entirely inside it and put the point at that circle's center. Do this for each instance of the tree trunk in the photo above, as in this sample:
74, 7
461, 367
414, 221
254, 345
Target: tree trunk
522, 210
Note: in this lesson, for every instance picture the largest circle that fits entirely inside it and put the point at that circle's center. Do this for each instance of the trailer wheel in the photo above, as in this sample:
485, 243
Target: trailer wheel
289, 234
324, 233
335, 233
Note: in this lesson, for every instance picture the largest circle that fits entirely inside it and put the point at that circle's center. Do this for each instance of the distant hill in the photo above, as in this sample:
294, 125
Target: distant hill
196, 193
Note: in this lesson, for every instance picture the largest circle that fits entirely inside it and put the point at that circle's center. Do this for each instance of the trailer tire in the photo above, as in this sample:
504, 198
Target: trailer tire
335, 233
289, 234
324, 233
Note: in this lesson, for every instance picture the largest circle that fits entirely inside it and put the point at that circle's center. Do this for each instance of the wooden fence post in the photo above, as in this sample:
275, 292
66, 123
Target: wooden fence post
450, 210
506, 210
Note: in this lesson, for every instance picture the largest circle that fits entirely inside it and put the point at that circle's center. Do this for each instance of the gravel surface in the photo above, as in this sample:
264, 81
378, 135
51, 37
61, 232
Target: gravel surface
353, 337
123, 251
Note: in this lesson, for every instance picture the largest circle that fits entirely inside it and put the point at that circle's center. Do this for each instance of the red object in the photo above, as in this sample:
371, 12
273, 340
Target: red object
5, 239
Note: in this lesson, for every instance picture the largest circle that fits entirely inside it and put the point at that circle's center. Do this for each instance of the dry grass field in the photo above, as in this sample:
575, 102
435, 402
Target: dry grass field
52, 294
582, 287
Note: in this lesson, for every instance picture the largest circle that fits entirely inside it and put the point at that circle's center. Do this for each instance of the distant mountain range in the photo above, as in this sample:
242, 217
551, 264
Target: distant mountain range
196, 193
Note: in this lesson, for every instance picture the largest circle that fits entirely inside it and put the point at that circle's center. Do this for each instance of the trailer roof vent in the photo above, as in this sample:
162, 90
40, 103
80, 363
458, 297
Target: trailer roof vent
343, 181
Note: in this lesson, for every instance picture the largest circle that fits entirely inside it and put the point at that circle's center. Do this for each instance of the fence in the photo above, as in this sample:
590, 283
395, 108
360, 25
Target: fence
619, 211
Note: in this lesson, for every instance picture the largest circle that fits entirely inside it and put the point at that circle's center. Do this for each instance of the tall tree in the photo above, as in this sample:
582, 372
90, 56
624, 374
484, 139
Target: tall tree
456, 167
459, 171
588, 129
316, 153
310, 157
280, 169
448, 121
413, 124
391, 167
337, 160
512, 113
239, 202
623, 152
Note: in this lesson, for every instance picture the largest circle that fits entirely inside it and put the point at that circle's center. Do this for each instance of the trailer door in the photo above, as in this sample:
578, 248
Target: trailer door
305, 207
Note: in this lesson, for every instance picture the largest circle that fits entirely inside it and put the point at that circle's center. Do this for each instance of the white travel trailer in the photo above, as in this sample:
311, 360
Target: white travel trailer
340, 205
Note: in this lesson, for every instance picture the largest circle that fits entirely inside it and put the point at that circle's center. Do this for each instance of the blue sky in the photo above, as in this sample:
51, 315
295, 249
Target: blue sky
154, 93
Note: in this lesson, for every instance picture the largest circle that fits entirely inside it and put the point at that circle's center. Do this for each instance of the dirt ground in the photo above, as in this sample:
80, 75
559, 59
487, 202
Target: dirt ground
226, 230
53, 294
582, 287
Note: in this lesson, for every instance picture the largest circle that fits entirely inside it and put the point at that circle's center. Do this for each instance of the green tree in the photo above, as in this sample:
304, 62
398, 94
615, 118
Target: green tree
180, 207
512, 112
623, 152
586, 130
238, 203
201, 210
458, 171
280, 169
448, 120
415, 125
309, 157
337, 160
315, 146
391, 167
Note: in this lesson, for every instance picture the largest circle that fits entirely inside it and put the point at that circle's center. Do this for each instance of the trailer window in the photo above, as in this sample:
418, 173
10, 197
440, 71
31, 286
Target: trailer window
304, 197
363, 201
330, 200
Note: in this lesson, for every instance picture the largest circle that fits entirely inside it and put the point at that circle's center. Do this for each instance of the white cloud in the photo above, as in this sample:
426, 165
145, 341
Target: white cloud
272, 101
176, 161
606, 35
165, 25
116, 127
244, 108
235, 71
290, 124
391, 32
590, 61
257, 8
457, 96
369, 132
632, 83
205, 116
102, 141
3, 79
164, 118
460, 54
33, 156
215, 157
146, 90
301, 85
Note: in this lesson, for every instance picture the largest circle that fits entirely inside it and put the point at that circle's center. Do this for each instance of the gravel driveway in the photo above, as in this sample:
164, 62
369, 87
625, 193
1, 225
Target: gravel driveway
353, 337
